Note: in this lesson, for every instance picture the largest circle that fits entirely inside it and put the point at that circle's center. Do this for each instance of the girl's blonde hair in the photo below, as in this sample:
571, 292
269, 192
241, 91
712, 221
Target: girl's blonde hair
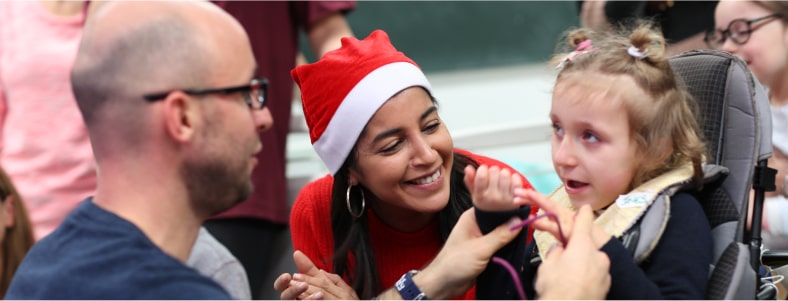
663, 125
19, 237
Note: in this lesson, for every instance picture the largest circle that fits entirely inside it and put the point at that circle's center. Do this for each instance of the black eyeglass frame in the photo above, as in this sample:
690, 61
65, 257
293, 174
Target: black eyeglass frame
726, 34
260, 82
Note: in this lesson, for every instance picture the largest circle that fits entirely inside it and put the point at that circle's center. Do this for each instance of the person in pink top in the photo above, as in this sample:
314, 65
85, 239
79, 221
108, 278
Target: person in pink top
44, 144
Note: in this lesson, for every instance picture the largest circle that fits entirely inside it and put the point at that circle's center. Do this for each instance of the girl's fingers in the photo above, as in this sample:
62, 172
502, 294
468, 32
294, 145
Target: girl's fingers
517, 182
493, 178
481, 183
531, 197
505, 183
470, 176
564, 215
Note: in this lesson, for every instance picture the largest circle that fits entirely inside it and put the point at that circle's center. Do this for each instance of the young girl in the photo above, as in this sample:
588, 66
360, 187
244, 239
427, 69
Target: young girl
396, 185
757, 32
625, 139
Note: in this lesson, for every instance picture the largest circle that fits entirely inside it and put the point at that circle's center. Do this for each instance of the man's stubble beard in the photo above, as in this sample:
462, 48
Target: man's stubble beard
214, 187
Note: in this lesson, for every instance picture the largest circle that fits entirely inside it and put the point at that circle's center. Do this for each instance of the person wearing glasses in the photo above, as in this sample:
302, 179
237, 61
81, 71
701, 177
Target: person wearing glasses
250, 229
757, 32
56, 171
173, 108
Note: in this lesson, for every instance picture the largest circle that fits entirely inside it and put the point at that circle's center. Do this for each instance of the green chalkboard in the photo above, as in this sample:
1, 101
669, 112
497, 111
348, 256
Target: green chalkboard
451, 35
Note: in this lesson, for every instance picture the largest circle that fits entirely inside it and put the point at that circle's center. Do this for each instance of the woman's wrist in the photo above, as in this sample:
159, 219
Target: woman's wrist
445, 282
431, 285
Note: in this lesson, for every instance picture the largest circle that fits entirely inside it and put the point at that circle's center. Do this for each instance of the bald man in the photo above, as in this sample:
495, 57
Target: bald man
168, 96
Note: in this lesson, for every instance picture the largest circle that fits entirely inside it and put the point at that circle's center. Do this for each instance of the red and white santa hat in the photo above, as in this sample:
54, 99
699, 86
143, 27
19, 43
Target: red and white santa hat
342, 91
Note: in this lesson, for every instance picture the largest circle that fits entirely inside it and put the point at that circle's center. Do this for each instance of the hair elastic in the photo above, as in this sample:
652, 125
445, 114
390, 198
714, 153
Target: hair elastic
584, 45
636, 53
582, 48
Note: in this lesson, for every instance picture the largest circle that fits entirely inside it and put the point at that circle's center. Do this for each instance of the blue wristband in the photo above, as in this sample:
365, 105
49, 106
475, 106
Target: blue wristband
408, 289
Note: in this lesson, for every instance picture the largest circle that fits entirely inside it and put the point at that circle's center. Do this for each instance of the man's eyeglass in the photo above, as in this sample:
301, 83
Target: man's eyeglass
254, 93
738, 31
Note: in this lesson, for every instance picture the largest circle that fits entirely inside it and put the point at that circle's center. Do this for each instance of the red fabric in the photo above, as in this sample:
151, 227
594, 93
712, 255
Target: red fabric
395, 252
343, 68
273, 28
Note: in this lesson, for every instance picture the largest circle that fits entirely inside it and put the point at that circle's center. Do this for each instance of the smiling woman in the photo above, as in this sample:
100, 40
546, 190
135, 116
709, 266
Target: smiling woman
396, 185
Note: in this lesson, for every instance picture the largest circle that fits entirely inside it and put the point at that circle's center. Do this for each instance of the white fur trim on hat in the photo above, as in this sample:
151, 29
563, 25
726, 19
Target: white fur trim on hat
359, 105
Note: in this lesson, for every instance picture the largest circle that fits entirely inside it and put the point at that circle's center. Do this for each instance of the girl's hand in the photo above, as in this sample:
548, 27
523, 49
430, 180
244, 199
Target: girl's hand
565, 217
492, 187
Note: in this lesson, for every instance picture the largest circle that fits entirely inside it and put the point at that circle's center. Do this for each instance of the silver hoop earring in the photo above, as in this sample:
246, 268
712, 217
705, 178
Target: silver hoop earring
349, 208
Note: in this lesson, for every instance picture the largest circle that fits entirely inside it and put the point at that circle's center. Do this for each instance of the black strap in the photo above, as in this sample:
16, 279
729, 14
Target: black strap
764, 178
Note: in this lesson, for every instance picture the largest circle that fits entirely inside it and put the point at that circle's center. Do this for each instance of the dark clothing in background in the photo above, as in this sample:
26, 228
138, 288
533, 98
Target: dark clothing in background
678, 19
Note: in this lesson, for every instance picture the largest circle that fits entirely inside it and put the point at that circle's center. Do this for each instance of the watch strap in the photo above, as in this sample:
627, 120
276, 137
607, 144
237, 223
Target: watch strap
408, 289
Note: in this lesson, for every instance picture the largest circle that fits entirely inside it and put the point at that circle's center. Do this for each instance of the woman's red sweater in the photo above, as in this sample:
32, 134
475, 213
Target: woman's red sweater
395, 252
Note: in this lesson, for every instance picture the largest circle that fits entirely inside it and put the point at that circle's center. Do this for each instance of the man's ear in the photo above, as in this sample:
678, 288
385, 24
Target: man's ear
181, 116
